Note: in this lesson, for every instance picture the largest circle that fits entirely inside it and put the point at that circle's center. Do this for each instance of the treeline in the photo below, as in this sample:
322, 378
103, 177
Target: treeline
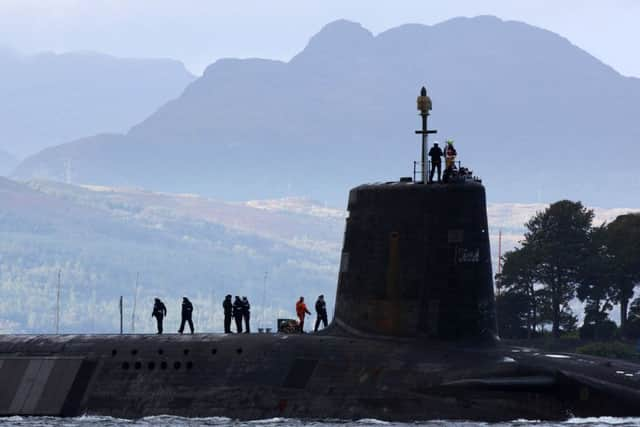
97, 269
565, 256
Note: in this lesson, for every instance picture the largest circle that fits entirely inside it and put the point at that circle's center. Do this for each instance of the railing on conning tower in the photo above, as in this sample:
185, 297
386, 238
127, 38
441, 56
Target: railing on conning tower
457, 174
419, 169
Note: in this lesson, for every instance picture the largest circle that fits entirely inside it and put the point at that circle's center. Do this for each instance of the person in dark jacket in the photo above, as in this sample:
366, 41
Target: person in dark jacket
436, 161
237, 313
246, 314
227, 305
159, 312
321, 312
187, 310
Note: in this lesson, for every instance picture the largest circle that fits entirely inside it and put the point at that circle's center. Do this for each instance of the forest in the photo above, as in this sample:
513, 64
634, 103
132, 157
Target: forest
564, 256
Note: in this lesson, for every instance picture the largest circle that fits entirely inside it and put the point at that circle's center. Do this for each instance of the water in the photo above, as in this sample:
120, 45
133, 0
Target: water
170, 421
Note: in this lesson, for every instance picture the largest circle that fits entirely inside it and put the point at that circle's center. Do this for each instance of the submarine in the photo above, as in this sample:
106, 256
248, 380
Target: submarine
413, 337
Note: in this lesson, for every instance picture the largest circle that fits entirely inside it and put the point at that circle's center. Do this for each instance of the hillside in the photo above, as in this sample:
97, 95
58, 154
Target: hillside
48, 99
99, 238
517, 99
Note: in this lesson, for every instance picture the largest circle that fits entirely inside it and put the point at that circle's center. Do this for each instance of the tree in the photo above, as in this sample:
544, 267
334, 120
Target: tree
512, 309
632, 327
595, 277
623, 243
518, 278
567, 321
558, 239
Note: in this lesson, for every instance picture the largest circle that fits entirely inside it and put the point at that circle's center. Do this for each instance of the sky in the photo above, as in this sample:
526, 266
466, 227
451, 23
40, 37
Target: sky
198, 32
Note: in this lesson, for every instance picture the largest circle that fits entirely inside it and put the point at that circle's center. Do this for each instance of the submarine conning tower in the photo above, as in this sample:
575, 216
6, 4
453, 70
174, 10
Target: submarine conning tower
416, 260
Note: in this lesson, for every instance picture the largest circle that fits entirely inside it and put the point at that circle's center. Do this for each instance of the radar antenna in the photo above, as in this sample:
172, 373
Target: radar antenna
424, 106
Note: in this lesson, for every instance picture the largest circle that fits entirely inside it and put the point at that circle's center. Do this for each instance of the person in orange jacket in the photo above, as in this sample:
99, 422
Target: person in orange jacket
301, 311
450, 154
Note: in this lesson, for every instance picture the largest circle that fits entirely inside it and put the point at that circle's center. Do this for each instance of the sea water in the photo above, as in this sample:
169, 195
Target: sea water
170, 421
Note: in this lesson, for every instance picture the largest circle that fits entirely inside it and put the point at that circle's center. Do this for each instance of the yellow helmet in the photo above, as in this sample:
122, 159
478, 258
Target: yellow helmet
449, 141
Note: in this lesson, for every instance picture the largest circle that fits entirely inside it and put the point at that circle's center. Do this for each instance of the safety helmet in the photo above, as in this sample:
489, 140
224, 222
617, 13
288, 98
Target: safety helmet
450, 141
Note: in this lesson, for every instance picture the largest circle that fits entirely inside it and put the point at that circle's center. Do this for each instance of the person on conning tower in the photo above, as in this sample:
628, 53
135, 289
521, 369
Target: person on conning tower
436, 161
450, 154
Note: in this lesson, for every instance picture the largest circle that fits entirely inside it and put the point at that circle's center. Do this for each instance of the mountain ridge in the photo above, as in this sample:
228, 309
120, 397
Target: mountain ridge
50, 98
341, 112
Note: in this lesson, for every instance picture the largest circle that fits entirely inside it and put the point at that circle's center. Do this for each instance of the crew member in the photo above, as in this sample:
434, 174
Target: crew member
246, 314
227, 305
237, 314
301, 311
321, 313
159, 312
187, 310
450, 154
436, 161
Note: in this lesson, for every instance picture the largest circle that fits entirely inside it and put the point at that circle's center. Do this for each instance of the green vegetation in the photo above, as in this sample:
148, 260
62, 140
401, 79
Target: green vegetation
562, 257
543, 272
615, 349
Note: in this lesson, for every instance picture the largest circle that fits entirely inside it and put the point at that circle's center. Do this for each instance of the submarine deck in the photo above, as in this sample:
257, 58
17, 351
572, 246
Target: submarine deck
132, 347
250, 376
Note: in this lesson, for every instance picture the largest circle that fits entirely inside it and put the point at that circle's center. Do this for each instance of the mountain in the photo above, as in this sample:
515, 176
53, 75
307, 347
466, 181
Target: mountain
537, 118
7, 163
101, 238
48, 98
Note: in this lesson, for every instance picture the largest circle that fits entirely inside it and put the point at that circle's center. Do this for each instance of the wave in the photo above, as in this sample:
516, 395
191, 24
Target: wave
612, 421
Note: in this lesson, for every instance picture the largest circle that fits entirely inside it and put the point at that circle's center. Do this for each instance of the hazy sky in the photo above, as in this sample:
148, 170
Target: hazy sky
198, 32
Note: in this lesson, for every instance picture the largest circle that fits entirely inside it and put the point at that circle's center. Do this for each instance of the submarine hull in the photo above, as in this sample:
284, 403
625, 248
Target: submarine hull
304, 376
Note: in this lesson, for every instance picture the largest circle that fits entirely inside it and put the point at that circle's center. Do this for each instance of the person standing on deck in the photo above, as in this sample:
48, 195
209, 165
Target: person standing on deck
246, 314
227, 305
237, 313
321, 313
187, 311
159, 312
301, 311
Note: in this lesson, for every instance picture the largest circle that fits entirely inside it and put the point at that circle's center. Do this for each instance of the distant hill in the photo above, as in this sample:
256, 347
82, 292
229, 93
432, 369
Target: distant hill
99, 238
533, 115
7, 163
49, 99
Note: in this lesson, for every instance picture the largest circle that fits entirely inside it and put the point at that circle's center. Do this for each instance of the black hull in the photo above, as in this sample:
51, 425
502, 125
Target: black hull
306, 376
